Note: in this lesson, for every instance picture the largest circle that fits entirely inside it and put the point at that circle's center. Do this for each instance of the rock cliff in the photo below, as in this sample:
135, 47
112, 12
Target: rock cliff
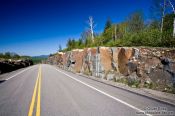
138, 67
10, 65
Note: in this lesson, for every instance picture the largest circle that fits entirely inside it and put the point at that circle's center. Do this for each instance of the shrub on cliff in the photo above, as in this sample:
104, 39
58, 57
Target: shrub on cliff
151, 37
132, 32
167, 39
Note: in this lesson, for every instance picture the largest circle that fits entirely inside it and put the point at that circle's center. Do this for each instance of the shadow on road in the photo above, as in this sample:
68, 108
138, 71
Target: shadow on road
1, 81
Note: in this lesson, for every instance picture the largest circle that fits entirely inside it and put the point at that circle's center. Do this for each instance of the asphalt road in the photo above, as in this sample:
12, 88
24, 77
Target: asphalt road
43, 90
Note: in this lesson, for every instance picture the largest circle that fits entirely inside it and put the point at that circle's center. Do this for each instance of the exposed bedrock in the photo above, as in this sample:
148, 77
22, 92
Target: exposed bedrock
9, 65
146, 65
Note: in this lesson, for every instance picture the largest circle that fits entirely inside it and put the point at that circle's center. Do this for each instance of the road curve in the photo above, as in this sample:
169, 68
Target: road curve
43, 90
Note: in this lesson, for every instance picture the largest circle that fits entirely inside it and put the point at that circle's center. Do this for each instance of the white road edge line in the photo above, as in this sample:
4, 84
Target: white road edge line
123, 102
18, 73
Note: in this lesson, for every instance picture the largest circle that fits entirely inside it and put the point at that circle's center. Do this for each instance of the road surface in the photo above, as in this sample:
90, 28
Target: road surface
44, 90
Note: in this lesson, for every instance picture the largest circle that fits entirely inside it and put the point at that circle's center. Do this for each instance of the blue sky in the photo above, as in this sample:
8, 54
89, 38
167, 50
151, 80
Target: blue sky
37, 27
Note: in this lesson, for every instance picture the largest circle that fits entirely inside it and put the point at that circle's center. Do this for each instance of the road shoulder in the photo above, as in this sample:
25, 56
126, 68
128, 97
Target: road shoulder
167, 98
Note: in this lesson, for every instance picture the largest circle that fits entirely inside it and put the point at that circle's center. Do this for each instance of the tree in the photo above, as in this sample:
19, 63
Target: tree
69, 44
122, 28
109, 32
1, 55
73, 43
171, 4
51, 55
108, 24
84, 35
60, 48
16, 56
157, 11
160, 8
163, 15
91, 27
154, 24
136, 22
80, 42
7, 55
168, 22
88, 42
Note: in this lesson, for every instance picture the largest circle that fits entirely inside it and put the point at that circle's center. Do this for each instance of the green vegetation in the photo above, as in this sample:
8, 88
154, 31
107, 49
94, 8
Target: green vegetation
122, 80
40, 59
169, 89
37, 60
134, 31
13, 56
134, 83
150, 85
129, 82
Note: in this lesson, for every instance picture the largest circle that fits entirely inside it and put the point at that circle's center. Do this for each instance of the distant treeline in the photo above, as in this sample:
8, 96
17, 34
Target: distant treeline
14, 56
10, 61
38, 60
134, 31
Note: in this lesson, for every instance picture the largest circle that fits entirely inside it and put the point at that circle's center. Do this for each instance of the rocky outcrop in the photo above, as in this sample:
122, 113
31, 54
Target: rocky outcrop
11, 65
148, 66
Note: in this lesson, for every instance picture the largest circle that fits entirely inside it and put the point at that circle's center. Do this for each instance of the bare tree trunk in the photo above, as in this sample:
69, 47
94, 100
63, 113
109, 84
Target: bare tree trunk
163, 14
174, 18
91, 26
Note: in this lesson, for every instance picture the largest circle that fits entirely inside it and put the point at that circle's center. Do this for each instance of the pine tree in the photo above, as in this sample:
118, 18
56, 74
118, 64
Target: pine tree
108, 24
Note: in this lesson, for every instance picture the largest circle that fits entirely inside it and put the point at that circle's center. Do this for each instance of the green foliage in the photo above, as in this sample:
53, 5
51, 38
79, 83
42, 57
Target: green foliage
136, 22
134, 83
131, 83
169, 89
108, 35
110, 44
155, 24
108, 25
122, 80
1, 55
168, 22
150, 85
13, 56
121, 29
167, 39
37, 60
71, 44
151, 37
80, 42
7, 55
88, 42
25, 57
86, 72
132, 32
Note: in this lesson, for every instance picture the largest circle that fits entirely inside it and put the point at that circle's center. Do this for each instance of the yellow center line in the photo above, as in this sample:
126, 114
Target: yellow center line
37, 87
39, 92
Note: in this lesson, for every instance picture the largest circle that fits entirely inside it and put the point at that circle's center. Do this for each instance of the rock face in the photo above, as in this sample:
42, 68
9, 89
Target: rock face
8, 65
147, 65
